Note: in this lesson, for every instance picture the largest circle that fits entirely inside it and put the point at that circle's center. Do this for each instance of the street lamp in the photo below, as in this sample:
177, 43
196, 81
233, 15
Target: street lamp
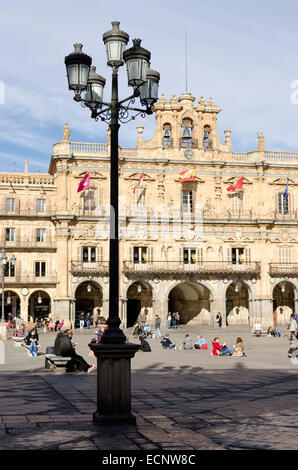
3, 261
113, 352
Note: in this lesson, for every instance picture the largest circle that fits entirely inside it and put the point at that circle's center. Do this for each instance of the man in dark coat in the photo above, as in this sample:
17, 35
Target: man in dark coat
145, 346
67, 350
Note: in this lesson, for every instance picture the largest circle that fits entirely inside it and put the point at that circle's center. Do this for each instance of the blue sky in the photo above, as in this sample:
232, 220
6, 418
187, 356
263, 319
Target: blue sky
243, 54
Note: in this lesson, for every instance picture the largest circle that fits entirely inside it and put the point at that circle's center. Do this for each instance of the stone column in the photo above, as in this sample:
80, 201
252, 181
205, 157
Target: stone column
114, 383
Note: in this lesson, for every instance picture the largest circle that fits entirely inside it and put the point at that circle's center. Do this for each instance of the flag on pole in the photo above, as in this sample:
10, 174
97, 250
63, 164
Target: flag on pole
286, 192
188, 175
84, 183
139, 183
238, 185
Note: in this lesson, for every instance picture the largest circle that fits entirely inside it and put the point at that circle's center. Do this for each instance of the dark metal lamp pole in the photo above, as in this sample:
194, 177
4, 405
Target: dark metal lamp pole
114, 353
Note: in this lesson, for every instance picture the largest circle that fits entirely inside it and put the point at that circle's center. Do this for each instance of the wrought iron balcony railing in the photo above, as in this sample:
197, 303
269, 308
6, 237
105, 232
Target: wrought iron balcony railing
26, 279
96, 268
283, 269
199, 267
188, 143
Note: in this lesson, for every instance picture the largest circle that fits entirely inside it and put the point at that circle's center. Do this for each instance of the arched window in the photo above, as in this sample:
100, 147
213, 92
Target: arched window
186, 133
167, 135
207, 143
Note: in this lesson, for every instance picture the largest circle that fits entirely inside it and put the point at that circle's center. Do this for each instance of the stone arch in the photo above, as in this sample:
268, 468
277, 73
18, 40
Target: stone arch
284, 293
14, 307
39, 305
192, 300
139, 298
238, 295
88, 297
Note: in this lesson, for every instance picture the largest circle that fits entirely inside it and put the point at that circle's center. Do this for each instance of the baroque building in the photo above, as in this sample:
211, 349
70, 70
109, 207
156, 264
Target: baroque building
191, 246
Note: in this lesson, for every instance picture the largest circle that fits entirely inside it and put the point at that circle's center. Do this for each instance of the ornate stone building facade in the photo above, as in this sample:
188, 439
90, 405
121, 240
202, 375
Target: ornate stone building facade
191, 247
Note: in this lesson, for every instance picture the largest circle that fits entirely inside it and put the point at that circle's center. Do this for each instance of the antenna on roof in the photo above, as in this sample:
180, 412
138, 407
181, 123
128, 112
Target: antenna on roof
185, 59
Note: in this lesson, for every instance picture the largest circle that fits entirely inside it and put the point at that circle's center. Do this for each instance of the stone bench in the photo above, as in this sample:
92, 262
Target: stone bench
58, 363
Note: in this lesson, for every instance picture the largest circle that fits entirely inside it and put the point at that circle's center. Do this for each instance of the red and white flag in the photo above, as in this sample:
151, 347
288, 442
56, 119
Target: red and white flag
139, 183
84, 183
236, 186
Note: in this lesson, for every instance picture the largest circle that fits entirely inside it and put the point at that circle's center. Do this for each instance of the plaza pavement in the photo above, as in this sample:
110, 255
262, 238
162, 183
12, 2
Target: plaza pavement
185, 400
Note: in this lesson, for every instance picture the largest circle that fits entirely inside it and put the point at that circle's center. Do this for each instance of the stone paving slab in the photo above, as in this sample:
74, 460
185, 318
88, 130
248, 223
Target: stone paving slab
183, 400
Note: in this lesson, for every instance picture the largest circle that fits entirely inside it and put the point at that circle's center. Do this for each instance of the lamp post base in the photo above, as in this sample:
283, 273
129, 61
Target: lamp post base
114, 383
3, 331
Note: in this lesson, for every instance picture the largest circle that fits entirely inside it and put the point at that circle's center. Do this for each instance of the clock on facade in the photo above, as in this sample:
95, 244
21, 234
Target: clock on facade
188, 154
25, 291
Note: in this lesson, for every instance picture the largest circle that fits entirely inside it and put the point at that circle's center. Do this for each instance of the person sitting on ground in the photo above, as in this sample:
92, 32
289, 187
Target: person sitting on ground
138, 330
167, 343
32, 340
201, 343
257, 329
220, 350
20, 333
68, 350
270, 332
293, 348
145, 346
187, 343
277, 333
239, 348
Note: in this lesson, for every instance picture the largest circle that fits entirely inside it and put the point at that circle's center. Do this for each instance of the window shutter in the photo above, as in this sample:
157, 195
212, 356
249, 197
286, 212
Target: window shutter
181, 255
150, 254
200, 255
247, 257
131, 254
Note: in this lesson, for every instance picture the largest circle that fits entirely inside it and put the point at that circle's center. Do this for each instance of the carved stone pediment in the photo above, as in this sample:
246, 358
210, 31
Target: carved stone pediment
282, 182
136, 177
233, 179
93, 174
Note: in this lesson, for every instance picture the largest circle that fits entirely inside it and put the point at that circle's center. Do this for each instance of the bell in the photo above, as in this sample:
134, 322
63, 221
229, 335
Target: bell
186, 133
167, 134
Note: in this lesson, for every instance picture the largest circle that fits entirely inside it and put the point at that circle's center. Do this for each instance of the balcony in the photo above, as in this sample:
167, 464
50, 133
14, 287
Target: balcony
25, 211
188, 143
97, 268
283, 269
206, 268
19, 245
167, 143
26, 279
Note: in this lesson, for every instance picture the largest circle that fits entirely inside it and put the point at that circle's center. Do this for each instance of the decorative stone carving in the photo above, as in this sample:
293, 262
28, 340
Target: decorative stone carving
66, 133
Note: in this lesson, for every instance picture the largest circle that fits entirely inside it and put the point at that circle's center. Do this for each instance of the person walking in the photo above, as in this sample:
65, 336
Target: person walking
293, 327
177, 318
82, 320
219, 319
169, 320
143, 318
157, 326
88, 320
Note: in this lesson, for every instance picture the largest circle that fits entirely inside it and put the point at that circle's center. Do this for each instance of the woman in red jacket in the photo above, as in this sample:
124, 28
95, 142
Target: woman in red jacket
220, 350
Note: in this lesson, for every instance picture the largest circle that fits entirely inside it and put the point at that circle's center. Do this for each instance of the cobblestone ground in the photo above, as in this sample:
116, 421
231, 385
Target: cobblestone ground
182, 399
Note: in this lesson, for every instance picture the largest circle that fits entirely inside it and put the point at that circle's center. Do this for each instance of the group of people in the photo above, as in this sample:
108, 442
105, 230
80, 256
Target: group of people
201, 343
173, 320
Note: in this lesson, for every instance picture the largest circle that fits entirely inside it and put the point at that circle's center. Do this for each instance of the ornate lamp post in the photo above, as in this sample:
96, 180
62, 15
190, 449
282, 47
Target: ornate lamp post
114, 353
4, 260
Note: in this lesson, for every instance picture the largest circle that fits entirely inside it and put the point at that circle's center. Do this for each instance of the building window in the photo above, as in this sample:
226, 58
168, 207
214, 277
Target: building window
89, 254
41, 235
207, 143
140, 254
167, 135
10, 205
187, 202
40, 269
285, 256
9, 270
237, 202
139, 198
41, 205
237, 255
189, 255
89, 200
283, 204
10, 234
186, 133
